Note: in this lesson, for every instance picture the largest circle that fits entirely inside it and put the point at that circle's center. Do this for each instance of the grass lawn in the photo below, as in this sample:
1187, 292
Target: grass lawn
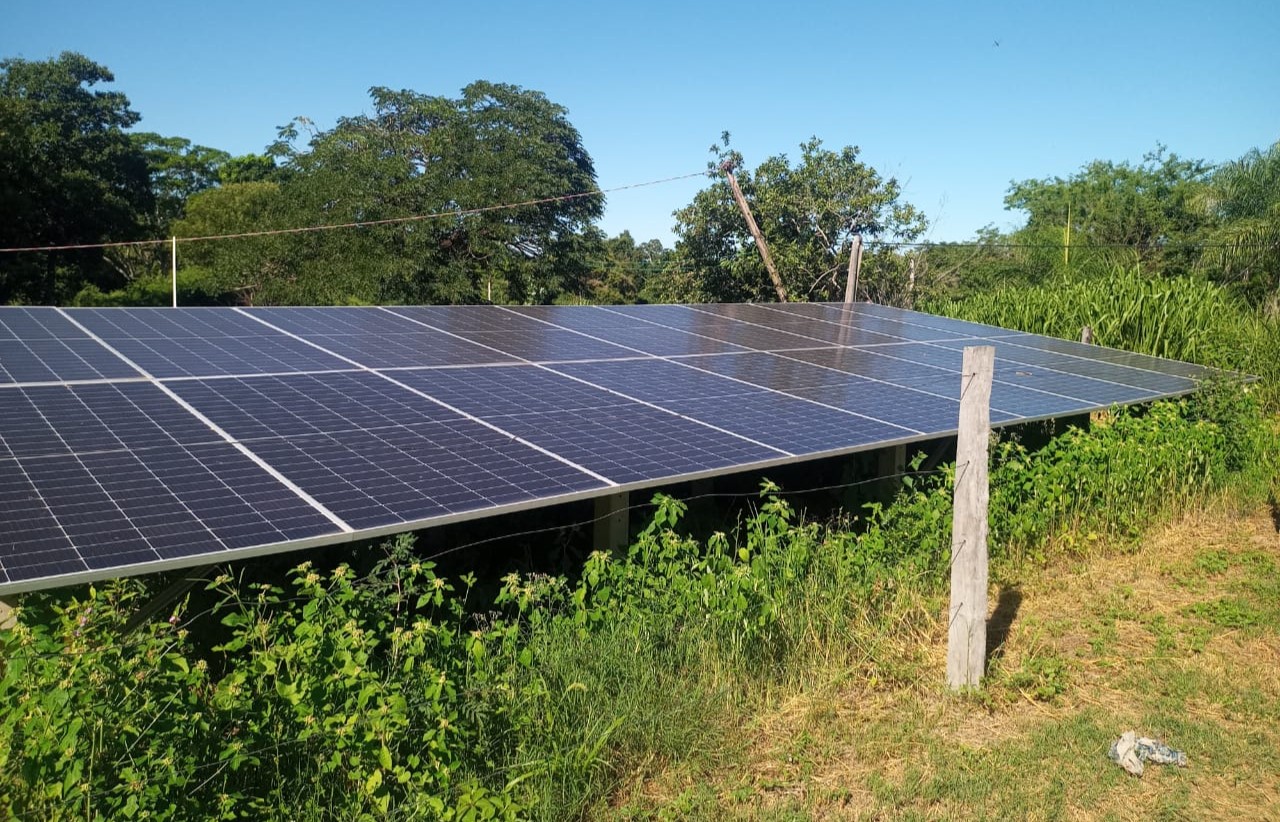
1177, 637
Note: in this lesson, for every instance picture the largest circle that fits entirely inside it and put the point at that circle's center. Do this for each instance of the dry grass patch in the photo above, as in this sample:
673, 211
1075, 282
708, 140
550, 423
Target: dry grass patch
1173, 637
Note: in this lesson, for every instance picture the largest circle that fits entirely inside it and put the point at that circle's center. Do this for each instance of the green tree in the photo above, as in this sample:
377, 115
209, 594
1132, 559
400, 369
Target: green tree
69, 173
178, 170
808, 213
1243, 197
618, 267
417, 155
1114, 213
237, 266
247, 168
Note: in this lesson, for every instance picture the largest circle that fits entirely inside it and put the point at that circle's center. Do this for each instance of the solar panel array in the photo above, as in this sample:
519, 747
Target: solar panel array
133, 440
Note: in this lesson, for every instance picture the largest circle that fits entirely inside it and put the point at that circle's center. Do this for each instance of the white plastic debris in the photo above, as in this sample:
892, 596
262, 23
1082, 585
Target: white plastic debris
1130, 751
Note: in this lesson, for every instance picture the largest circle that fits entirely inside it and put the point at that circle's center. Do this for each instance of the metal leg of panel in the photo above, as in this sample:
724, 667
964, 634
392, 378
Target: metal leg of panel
612, 523
890, 467
167, 597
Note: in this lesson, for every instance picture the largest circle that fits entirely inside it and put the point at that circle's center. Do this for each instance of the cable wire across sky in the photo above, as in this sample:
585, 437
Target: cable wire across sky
466, 212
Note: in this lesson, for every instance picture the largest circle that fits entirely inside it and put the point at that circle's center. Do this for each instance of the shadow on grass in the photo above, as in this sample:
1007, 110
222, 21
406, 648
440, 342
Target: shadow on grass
1001, 621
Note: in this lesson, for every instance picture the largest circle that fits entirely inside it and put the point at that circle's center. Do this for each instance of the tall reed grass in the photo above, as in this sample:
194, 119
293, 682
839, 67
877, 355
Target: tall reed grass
1183, 319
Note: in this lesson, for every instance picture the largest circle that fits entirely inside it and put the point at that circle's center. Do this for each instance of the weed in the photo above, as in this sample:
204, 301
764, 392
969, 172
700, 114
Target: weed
1042, 675
1227, 613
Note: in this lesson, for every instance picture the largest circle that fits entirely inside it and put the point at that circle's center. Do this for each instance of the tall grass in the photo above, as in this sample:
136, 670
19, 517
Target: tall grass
1182, 319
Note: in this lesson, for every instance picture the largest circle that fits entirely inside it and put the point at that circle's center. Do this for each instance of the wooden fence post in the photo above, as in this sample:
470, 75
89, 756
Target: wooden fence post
1086, 335
967, 633
855, 266
911, 282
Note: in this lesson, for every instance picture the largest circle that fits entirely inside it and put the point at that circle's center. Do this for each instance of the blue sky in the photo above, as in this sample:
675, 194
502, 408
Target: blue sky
921, 87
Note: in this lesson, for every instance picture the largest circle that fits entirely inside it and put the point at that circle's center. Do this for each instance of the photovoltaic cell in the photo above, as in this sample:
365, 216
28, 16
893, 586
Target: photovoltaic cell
589, 319
1152, 381
1095, 353
59, 420
296, 405
780, 373
50, 360
635, 443
40, 345
387, 476
113, 324
426, 348
640, 336
658, 380
470, 319
549, 345
23, 323
467, 410
814, 328
616, 437
202, 343
496, 392
99, 511
791, 424
355, 321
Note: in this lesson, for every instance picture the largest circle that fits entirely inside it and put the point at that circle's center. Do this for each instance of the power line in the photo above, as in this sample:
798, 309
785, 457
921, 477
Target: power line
456, 213
1073, 246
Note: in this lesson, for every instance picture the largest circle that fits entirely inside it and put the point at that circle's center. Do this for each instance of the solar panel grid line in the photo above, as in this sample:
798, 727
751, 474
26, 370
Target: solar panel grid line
1078, 402
261, 463
455, 410
823, 312
790, 310
1065, 374
27, 498
641, 401
266, 374
944, 373
1005, 336
769, 389
790, 355
944, 345
882, 329
1010, 338
1032, 355
763, 306
784, 354
906, 385
73, 383
79, 459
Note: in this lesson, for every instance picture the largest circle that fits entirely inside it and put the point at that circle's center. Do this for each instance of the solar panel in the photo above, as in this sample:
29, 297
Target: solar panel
140, 439
200, 342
